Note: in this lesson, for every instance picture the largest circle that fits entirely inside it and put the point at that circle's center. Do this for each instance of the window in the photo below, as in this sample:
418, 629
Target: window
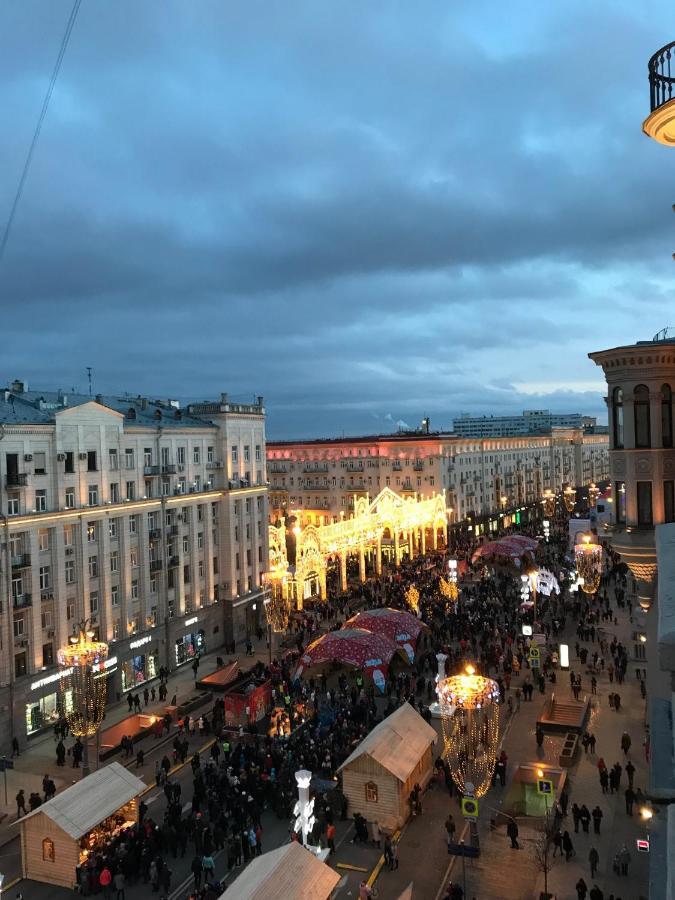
68, 535
644, 503
617, 417
70, 498
235, 454
201, 568
200, 513
44, 578
46, 618
153, 584
666, 416
113, 460
115, 595
70, 571
248, 505
247, 454
186, 574
18, 628
92, 532
166, 486
195, 454
186, 544
131, 490
258, 452
113, 528
180, 456
114, 492
248, 557
215, 565
19, 662
129, 458
40, 501
43, 538
39, 463
93, 566
165, 454
69, 467
668, 501
371, 792
133, 557
641, 415
114, 561
198, 482
237, 562
91, 461
182, 484
48, 853
12, 506
209, 454
147, 456
93, 495
133, 524
134, 590
93, 602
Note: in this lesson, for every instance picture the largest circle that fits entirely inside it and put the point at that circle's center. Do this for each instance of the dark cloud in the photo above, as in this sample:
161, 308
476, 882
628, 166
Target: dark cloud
366, 213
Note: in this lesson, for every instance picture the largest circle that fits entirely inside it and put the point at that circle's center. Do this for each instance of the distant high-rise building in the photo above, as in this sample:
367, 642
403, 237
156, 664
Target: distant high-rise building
532, 421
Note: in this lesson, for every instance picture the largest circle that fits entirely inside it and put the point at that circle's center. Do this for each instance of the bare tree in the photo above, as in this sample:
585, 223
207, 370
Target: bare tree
543, 853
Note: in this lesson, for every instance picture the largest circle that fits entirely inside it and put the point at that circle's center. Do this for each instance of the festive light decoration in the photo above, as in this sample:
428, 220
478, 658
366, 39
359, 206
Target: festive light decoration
548, 499
277, 610
304, 807
593, 493
569, 497
412, 598
588, 558
83, 682
547, 529
448, 589
470, 718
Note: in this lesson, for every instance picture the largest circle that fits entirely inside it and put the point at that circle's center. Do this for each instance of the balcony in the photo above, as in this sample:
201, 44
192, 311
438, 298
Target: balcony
150, 470
21, 562
170, 469
173, 562
214, 464
418, 467
155, 565
172, 530
660, 123
16, 479
23, 600
155, 534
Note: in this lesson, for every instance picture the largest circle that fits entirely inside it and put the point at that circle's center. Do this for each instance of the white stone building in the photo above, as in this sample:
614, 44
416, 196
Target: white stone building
148, 520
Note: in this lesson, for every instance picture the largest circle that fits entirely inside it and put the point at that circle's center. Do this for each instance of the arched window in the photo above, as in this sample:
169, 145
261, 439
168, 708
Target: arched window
666, 416
641, 414
617, 417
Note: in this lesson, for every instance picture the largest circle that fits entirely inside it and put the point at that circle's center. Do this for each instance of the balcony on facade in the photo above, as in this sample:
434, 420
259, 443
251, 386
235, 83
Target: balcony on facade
660, 123
170, 468
16, 479
22, 561
22, 600
150, 470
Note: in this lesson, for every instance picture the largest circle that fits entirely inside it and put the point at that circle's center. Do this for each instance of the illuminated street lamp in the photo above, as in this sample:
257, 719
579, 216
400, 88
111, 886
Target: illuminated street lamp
569, 497
470, 719
548, 501
588, 558
83, 686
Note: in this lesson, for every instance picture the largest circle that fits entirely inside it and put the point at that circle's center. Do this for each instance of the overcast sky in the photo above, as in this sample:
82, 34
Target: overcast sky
366, 212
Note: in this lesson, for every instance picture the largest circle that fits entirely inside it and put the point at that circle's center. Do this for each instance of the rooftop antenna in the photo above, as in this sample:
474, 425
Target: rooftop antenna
89, 377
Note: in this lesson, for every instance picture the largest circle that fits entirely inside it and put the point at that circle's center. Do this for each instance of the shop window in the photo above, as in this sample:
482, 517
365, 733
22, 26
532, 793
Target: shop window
371, 792
641, 414
48, 854
617, 417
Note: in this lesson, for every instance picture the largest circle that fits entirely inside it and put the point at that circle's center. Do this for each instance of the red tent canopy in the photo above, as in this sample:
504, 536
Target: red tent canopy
514, 546
400, 626
352, 647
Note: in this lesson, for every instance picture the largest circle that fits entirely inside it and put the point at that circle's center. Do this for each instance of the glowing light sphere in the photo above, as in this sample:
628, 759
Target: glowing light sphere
412, 598
83, 683
588, 558
548, 500
569, 497
469, 706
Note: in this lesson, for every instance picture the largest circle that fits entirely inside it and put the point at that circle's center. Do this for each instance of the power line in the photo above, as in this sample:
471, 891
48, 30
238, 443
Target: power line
38, 128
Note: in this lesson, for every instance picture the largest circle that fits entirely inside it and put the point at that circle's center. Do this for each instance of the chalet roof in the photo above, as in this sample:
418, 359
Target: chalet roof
289, 873
397, 743
80, 807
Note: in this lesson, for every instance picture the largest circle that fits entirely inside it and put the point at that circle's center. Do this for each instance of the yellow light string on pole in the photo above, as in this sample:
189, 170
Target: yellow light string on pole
412, 598
588, 559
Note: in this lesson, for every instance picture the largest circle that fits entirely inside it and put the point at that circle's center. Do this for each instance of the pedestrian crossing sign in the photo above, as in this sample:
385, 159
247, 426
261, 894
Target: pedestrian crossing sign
534, 652
545, 787
469, 807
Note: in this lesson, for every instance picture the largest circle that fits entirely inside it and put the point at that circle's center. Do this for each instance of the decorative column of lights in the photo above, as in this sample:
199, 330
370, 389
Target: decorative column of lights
547, 529
524, 588
304, 807
588, 558
569, 497
83, 686
412, 598
470, 717
435, 707
593, 494
548, 501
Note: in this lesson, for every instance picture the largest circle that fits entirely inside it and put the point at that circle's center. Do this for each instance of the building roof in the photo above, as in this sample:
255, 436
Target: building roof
289, 873
80, 807
397, 743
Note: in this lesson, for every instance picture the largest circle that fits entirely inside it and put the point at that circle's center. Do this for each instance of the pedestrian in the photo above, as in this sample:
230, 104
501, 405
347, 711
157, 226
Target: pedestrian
596, 894
450, 828
105, 881
20, 804
557, 843
512, 832
539, 735
330, 837
629, 794
564, 801
585, 817
119, 886
196, 868
597, 819
625, 743
593, 859
624, 859
568, 846
576, 816
630, 772
15, 747
581, 889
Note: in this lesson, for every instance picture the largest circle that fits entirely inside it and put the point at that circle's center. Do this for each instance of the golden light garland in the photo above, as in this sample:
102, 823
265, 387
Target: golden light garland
412, 598
83, 685
470, 719
548, 500
448, 589
588, 559
277, 610
569, 497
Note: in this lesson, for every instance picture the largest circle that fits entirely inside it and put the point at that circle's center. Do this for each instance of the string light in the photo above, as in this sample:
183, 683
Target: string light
569, 497
593, 493
548, 500
470, 719
588, 558
83, 694
412, 598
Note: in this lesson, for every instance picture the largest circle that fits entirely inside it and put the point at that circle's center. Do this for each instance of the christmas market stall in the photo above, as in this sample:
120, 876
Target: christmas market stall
356, 648
400, 626
378, 777
249, 703
58, 837
289, 873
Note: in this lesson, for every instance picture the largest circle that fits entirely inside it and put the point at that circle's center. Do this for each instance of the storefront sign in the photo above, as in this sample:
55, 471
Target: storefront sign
191, 621
140, 642
108, 664
50, 679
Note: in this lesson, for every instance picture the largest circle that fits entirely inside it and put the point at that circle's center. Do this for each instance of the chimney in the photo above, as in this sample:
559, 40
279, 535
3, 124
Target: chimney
223, 398
260, 401
19, 386
98, 398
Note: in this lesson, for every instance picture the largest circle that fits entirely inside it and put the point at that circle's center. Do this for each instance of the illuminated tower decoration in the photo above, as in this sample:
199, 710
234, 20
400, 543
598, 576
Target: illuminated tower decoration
548, 500
83, 686
304, 807
412, 598
588, 558
470, 718
569, 497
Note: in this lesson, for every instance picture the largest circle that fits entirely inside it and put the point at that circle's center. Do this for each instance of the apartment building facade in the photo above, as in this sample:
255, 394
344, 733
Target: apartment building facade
146, 520
531, 421
319, 480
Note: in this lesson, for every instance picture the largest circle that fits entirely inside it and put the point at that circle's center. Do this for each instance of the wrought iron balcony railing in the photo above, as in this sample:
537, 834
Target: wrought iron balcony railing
661, 76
